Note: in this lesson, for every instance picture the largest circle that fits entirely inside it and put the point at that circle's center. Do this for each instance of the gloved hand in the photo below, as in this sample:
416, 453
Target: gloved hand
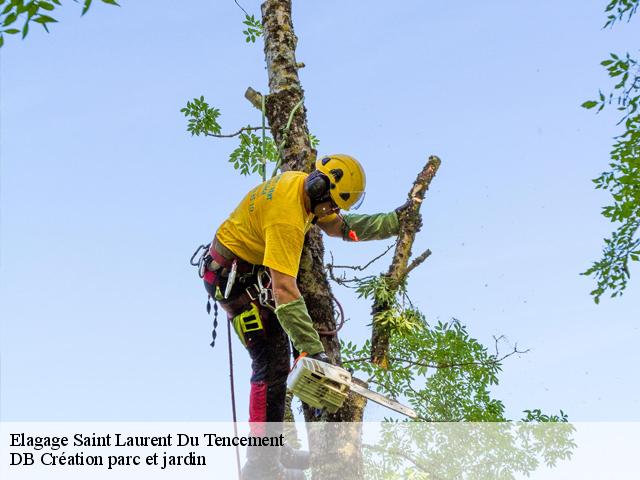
403, 208
371, 227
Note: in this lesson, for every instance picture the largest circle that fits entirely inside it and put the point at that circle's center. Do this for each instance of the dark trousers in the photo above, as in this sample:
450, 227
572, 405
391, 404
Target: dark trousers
270, 357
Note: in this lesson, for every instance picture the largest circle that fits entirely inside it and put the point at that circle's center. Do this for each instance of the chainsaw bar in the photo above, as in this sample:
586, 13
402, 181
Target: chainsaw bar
384, 401
325, 386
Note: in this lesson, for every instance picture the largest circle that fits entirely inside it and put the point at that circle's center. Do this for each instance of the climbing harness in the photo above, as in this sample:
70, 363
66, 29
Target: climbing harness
265, 297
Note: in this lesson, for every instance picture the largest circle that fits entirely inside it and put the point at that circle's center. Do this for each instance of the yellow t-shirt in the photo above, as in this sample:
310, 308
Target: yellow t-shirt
269, 225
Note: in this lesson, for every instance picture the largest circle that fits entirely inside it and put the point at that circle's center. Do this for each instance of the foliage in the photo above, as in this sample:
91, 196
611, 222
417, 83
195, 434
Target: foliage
611, 272
618, 9
505, 451
36, 11
314, 141
204, 119
440, 370
254, 29
446, 375
252, 155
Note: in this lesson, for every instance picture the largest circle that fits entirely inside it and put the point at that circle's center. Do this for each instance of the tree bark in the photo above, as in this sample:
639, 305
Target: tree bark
287, 118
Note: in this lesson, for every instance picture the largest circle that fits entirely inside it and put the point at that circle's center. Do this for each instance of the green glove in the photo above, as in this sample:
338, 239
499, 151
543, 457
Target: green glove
371, 227
296, 321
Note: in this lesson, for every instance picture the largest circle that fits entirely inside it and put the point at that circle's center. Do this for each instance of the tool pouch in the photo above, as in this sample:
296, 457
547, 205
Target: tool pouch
248, 324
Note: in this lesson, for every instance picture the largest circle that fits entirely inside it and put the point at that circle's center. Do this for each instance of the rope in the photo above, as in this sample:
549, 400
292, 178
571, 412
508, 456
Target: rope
339, 323
285, 135
233, 398
264, 144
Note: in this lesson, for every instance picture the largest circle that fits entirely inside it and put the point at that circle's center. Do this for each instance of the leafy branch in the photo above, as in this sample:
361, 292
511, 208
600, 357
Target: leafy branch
618, 9
254, 28
36, 11
611, 272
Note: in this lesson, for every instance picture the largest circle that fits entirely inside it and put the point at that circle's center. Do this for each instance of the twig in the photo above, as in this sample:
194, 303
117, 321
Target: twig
245, 12
364, 267
243, 129
343, 280
403, 454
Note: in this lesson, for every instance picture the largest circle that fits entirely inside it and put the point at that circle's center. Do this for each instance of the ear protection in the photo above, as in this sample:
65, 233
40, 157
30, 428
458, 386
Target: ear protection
317, 186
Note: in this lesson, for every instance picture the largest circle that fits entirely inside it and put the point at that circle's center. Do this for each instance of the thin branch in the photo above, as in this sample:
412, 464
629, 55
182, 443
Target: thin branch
343, 280
241, 8
243, 129
414, 363
358, 267
403, 454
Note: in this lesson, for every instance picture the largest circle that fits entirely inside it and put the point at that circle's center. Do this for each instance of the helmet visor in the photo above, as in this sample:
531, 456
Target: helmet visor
358, 202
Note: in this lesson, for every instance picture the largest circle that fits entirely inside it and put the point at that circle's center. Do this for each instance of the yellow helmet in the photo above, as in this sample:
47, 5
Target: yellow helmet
347, 180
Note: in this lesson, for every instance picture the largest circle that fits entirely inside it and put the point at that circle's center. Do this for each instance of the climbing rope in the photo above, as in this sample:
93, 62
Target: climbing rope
339, 322
285, 135
233, 398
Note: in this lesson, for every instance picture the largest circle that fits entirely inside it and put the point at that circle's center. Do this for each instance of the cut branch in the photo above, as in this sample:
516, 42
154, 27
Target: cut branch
410, 223
254, 97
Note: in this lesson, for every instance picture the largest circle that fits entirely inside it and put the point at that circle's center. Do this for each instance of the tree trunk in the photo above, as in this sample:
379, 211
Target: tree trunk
285, 106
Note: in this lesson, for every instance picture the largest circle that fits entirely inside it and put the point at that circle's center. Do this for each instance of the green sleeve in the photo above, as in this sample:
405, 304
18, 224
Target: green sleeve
296, 321
371, 227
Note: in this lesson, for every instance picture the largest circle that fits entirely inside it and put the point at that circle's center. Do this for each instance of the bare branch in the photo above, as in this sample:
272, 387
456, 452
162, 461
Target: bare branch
358, 267
241, 8
414, 363
243, 129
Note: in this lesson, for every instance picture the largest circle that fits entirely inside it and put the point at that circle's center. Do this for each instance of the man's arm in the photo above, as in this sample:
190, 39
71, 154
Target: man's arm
285, 287
293, 315
331, 225
377, 226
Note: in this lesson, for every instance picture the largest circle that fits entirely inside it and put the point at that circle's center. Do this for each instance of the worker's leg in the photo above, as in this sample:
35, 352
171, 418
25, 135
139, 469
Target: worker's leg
270, 354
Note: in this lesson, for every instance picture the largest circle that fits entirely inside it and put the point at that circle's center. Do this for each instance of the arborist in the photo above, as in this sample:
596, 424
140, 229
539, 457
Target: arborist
252, 265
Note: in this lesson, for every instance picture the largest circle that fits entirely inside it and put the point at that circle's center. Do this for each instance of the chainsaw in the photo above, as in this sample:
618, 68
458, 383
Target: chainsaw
326, 386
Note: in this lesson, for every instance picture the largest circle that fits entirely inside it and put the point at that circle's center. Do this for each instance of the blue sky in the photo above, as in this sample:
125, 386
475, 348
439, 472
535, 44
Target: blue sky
104, 195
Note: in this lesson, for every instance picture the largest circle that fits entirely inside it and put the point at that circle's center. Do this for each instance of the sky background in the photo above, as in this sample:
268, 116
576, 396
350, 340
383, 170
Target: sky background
104, 195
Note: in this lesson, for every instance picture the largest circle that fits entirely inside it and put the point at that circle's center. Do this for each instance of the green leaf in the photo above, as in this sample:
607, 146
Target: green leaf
44, 19
12, 31
589, 104
9, 19
46, 6
111, 2
87, 5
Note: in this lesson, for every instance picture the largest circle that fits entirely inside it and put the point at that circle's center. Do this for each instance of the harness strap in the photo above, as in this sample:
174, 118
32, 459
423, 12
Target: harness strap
224, 258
